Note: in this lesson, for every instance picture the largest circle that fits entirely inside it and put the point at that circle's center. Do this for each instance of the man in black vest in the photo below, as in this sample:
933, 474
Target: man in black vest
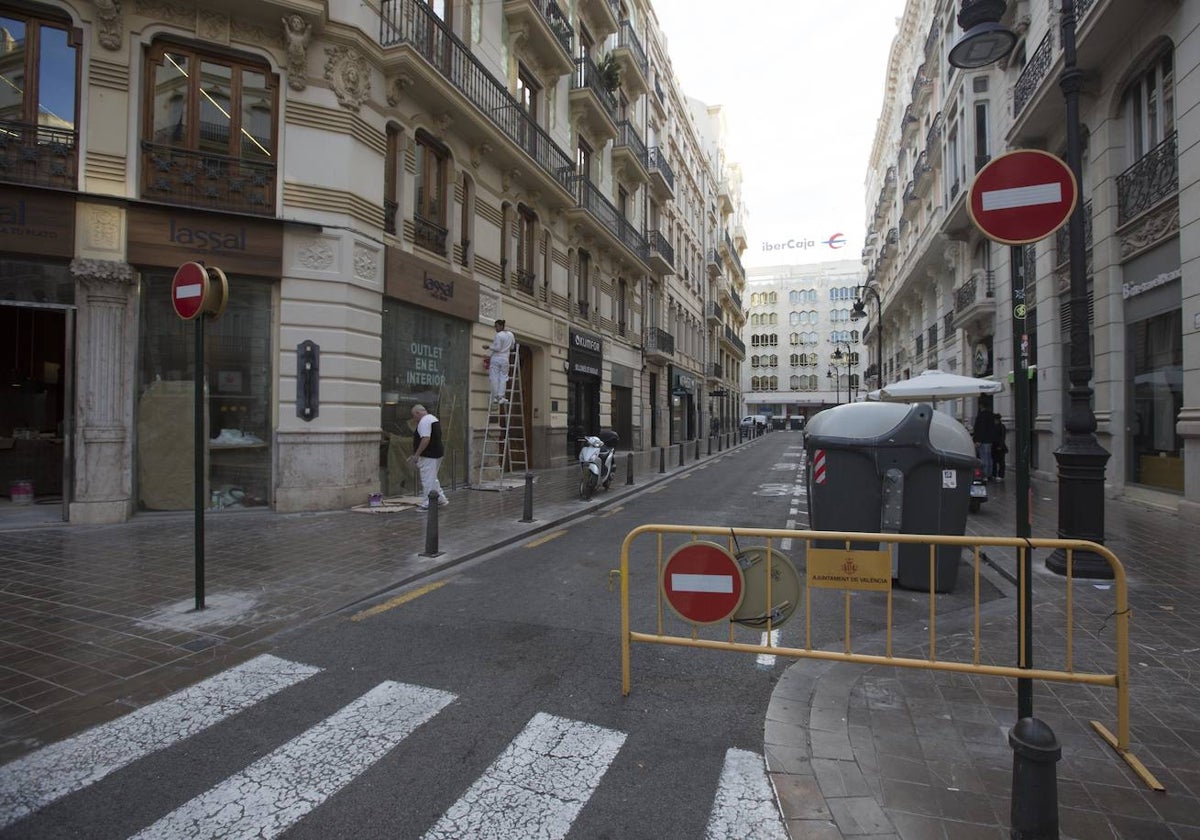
427, 454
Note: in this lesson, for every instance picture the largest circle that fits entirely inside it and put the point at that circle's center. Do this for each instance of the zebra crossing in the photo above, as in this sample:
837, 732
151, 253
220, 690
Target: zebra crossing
535, 788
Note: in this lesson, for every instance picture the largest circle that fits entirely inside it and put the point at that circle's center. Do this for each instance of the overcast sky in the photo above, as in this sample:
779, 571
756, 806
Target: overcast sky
802, 90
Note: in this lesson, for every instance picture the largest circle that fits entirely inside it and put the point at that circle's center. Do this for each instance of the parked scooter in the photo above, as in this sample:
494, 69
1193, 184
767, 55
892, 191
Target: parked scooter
979, 490
597, 460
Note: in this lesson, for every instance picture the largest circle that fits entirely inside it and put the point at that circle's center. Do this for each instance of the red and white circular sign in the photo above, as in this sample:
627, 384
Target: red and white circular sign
703, 583
1022, 196
189, 290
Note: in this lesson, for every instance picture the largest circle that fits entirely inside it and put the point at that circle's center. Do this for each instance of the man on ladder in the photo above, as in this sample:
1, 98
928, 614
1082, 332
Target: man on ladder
500, 348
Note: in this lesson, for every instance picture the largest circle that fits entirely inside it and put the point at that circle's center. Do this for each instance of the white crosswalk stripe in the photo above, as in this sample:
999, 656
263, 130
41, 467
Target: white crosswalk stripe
276, 791
537, 786
36, 780
745, 803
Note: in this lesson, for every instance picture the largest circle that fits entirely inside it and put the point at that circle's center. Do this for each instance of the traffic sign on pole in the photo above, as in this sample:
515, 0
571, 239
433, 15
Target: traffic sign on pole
189, 290
703, 583
1022, 196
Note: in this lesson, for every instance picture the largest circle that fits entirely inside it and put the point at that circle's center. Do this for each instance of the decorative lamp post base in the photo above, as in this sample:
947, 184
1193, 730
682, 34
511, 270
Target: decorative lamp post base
1081, 463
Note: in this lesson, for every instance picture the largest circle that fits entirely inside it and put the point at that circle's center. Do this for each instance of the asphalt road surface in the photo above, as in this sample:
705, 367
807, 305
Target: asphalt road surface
485, 702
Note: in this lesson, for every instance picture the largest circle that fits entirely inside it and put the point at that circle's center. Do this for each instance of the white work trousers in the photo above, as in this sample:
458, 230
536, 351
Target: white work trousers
428, 468
498, 374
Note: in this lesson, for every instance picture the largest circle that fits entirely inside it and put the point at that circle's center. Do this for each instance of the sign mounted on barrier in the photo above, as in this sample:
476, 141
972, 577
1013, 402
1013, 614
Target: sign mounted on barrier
832, 568
703, 583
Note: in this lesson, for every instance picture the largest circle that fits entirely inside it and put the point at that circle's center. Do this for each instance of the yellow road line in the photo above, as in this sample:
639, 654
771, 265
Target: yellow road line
615, 510
543, 540
398, 600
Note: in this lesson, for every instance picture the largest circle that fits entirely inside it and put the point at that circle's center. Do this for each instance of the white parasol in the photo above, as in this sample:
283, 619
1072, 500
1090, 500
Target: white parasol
937, 385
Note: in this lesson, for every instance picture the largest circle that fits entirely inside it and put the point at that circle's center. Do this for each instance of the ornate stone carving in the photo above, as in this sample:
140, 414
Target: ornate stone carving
478, 153
489, 308
316, 256
251, 33
297, 32
442, 122
366, 267
396, 88
1150, 229
348, 73
166, 12
103, 228
111, 25
102, 273
213, 26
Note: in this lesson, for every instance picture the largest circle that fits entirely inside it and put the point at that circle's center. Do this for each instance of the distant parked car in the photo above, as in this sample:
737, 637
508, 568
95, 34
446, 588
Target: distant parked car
754, 421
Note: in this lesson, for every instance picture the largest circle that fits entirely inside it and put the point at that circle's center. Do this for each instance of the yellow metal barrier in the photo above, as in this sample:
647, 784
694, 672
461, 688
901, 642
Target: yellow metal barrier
829, 560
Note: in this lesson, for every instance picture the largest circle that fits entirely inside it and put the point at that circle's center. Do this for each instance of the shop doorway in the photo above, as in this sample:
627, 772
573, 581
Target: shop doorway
622, 414
36, 353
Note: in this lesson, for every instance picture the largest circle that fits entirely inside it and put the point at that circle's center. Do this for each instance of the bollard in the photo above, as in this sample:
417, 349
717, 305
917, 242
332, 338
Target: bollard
431, 527
629, 469
453, 472
710, 445
720, 438
697, 449
662, 459
1034, 783
528, 517
681, 453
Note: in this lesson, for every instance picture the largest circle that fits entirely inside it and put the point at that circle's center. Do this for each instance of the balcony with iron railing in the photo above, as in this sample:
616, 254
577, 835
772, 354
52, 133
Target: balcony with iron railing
1149, 182
734, 341
661, 254
948, 327
635, 69
713, 372
203, 179
596, 103
975, 299
713, 262
713, 312
390, 208
523, 281
547, 34
658, 345
439, 57
1034, 74
603, 217
737, 301
38, 155
932, 335
601, 17
429, 234
933, 140
740, 272
630, 153
662, 179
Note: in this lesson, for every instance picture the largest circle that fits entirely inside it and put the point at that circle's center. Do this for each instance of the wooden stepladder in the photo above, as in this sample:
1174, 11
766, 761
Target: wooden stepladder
504, 448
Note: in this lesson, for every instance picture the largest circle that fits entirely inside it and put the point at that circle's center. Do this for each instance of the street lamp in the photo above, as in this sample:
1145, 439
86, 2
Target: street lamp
833, 374
859, 310
838, 356
984, 41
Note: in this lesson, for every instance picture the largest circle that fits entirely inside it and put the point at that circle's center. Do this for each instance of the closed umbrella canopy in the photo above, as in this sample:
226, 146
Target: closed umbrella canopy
937, 385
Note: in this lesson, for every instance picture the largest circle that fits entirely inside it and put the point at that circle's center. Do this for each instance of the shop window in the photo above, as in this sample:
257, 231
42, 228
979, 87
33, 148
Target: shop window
426, 360
38, 100
209, 131
429, 210
238, 364
1156, 345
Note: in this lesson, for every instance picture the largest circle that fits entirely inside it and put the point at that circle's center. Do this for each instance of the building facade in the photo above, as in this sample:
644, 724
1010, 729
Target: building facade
947, 291
805, 353
378, 183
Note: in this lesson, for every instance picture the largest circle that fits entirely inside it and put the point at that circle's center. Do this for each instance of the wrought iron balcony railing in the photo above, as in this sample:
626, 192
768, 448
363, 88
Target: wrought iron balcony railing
658, 163
735, 339
1062, 236
1149, 181
199, 179
932, 336
659, 341
736, 298
973, 290
558, 23
389, 215
733, 256
627, 136
429, 234
1033, 75
659, 244
587, 75
413, 24
523, 280
714, 370
948, 327
714, 311
38, 155
589, 198
628, 40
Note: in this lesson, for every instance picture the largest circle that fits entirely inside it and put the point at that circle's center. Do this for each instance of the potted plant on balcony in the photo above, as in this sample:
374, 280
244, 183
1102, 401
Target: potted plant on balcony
610, 73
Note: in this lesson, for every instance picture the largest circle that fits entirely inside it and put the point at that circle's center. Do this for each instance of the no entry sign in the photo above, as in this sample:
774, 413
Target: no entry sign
1022, 197
703, 583
189, 290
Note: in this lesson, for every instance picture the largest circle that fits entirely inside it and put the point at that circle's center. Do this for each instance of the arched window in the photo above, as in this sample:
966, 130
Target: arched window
774, 383
795, 383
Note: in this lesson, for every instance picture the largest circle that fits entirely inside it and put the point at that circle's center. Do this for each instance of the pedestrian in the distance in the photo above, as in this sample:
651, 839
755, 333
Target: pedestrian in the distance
983, 433
999, 447
500, 347
427, 454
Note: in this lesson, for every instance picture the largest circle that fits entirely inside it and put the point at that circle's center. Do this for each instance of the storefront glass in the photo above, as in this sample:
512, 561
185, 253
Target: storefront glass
36, 282
1156, 345
426, 360
237, 360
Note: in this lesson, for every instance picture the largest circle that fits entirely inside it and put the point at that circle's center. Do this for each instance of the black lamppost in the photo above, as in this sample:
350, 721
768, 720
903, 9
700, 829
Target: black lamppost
858, 311
838, 355
833, 374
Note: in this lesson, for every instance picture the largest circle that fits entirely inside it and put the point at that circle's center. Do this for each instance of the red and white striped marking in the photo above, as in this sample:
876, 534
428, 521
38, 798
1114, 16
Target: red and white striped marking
819, 467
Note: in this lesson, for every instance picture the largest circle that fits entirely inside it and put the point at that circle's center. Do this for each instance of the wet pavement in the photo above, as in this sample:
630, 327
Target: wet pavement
96, 620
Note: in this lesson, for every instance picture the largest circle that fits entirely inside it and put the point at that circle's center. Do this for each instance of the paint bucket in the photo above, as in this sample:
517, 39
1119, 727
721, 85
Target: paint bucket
375, 500
21, 492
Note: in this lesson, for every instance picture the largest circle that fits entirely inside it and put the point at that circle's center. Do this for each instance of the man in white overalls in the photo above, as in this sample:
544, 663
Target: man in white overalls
500, 347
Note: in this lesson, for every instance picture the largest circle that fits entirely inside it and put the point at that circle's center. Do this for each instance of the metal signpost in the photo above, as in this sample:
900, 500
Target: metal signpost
1018, 198
199, 292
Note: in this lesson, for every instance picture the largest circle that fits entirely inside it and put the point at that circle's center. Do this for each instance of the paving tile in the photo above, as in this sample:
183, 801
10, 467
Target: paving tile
800, 797
860, 815
813, 830
911, 798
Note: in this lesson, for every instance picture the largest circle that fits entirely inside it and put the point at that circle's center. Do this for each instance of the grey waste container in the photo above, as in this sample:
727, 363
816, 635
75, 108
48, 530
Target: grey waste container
892, 468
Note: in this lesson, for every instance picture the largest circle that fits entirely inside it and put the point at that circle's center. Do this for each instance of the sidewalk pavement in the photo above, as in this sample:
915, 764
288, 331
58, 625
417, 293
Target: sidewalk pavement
95, 620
